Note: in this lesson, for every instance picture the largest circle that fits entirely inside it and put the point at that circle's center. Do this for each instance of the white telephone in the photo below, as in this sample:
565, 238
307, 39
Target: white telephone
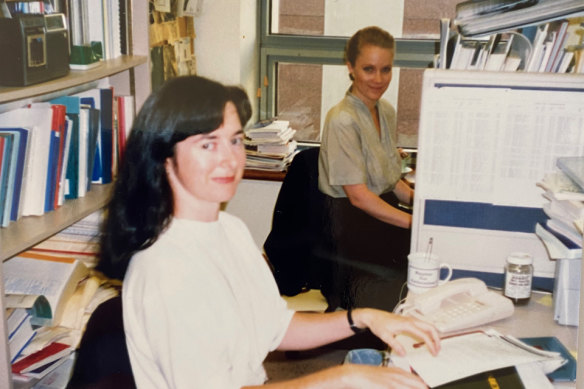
457, 305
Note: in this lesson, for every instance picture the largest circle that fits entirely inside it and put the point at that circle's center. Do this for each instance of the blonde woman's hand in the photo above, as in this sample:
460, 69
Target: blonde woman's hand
402, 153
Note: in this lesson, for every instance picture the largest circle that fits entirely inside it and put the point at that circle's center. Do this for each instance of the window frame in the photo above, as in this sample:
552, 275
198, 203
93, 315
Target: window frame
329, 50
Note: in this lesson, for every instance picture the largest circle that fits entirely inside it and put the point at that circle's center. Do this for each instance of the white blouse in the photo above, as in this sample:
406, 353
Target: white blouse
201, 308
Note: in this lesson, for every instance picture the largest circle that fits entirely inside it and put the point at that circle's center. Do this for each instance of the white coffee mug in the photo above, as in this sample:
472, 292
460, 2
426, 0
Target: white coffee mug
424, 272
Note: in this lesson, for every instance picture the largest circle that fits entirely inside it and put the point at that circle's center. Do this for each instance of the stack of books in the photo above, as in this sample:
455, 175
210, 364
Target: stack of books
269, 145
562, 232
49, 300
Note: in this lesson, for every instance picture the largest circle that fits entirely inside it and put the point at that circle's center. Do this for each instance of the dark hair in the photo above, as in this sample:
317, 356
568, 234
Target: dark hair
141, 206
238, 97
367, 36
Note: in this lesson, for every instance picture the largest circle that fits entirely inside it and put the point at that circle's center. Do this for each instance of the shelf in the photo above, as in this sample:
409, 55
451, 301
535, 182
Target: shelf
74, 78
251, 174
30, 230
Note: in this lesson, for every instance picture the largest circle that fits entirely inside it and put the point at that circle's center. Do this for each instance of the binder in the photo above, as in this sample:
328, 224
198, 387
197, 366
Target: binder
6, 141
506, 378
107, 133
21, 145
59, 119
92, 98
73, 107
56, 156
38, 121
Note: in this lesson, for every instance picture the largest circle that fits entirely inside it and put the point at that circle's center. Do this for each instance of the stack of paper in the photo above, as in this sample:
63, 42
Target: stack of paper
548, 47
472, 353
50, 299
485, 17
269, 145
563, 231
79, 241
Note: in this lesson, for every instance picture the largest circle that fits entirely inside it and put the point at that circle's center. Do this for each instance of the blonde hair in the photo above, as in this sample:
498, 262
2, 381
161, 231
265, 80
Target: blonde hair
372, 35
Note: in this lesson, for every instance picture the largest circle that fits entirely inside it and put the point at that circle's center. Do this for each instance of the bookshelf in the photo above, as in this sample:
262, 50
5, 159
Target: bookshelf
31, 230
75, 78
541, 37
128, 74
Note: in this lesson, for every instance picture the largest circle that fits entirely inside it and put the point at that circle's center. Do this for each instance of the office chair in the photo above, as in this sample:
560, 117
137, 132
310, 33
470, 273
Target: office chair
295, 246
102, 359
305, 253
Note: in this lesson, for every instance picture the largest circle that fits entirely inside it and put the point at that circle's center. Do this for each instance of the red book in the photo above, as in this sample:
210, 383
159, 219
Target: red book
58, 125
51, 353
121, 126
1, 149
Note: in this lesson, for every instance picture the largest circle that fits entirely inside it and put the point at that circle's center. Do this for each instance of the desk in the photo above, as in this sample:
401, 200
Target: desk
532, 320
536, 319
251, 174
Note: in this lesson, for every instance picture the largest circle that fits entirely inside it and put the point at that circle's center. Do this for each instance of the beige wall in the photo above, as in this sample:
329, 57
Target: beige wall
225, 45
254, 204
226, 50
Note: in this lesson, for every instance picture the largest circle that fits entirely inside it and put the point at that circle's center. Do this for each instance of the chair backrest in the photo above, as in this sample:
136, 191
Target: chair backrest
102, 359
297, 225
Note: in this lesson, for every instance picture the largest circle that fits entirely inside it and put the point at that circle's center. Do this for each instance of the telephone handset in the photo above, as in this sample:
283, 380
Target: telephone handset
458, 304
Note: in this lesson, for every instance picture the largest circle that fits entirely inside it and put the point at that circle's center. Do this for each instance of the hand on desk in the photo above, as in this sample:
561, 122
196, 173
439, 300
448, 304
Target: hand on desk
309, 330
387, 326
372, 377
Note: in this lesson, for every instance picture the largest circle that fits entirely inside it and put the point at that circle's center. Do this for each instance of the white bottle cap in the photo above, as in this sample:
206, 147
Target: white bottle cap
520, 259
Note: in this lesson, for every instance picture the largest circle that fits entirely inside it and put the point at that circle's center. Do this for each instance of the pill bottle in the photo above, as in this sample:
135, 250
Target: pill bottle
518, 277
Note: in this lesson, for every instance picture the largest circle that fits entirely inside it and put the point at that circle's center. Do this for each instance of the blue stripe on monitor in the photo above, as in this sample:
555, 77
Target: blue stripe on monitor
482, 216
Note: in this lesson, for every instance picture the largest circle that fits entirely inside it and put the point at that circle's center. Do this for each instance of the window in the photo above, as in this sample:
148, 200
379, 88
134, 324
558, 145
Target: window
302, 43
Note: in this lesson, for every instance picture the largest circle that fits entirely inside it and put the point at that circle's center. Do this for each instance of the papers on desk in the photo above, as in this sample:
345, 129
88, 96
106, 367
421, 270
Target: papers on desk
471, 353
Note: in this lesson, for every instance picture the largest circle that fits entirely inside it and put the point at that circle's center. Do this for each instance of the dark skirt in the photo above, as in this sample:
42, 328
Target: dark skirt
368, 258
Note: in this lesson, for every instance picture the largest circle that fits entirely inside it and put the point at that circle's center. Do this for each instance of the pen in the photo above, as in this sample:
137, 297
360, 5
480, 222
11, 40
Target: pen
420, 344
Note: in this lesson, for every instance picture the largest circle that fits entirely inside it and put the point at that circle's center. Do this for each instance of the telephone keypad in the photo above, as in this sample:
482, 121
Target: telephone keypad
458, 310
459, 304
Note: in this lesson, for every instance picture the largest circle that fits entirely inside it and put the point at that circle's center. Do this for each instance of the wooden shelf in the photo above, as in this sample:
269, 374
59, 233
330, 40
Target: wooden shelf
74, 78
30, 230
252, 174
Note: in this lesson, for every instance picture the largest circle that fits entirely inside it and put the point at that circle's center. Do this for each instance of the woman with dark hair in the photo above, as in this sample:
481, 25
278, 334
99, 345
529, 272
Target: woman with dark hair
142, 206
201, 308
360, 174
